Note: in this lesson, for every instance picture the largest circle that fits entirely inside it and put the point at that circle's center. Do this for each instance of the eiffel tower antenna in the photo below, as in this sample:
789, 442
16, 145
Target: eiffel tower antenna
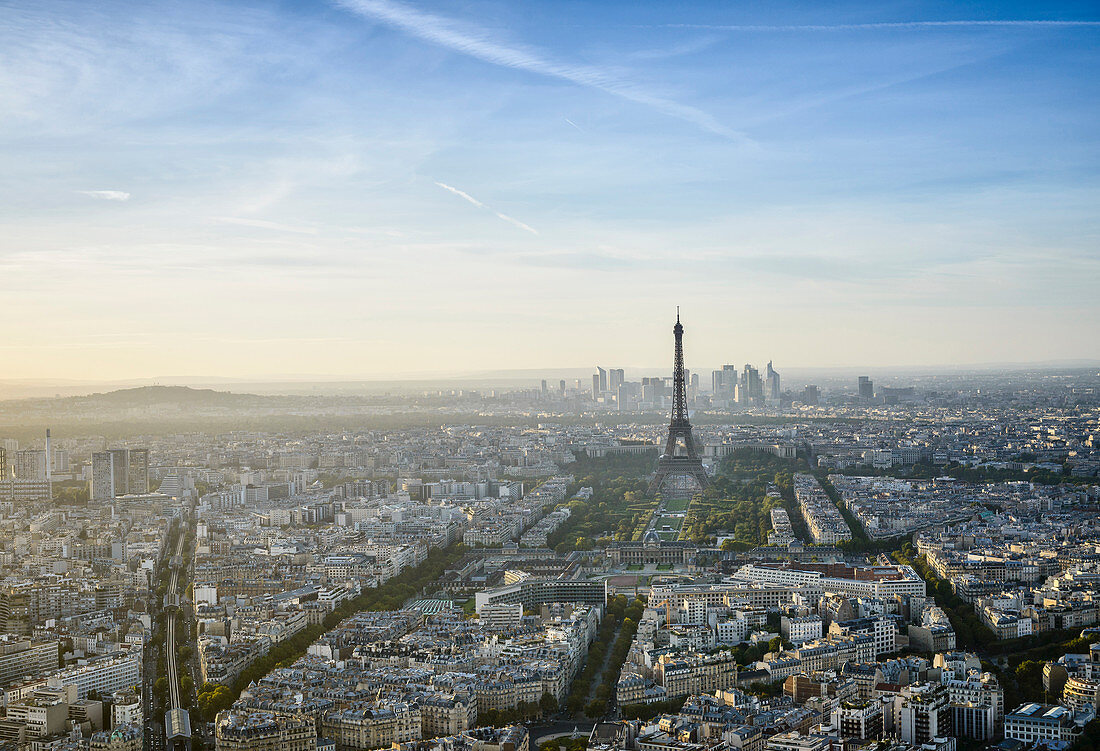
679, 430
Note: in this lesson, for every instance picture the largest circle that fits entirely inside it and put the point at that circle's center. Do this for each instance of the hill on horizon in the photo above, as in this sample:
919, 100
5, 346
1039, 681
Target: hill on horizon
142, 396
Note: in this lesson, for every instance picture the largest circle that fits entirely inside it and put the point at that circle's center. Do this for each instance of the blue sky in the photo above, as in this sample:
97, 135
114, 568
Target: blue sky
371, 187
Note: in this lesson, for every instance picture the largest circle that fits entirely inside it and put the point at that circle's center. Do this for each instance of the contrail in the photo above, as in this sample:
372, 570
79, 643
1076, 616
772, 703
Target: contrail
467, 197
478, 43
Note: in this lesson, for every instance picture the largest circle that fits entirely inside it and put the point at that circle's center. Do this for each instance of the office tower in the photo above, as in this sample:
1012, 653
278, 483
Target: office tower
771, 381
595, 385
577, 383
544, 387
750, 388
561, 385
724, 382
615, 379
653, 390
3, 463
601, 378
866, 387
810, 395
626, 396
686, 463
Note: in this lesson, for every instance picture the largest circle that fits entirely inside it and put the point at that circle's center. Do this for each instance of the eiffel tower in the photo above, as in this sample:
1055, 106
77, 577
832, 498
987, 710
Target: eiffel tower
686, 463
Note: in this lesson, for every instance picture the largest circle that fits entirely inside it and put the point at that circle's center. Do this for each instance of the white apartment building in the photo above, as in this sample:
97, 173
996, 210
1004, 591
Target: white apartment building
126, 709
801, 629
104, 676
733, 630
858, 581
501, 616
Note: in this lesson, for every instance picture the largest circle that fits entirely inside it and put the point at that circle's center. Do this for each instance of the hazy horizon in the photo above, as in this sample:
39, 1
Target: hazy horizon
794, 377
358, 188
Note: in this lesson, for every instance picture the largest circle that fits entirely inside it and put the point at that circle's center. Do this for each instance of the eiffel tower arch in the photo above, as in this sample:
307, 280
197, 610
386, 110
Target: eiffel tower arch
680, 461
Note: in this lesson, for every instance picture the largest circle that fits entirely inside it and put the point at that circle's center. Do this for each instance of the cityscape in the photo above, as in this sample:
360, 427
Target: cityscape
607, 564
410, 375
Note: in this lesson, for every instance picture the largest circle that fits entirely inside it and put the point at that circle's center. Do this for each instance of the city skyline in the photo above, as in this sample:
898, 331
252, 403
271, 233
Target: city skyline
557, 375
367, 188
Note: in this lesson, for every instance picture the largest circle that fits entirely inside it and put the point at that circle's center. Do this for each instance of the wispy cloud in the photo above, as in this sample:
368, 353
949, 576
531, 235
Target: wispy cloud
264, 224
1025, 23
106, 195
477, 43
467, 197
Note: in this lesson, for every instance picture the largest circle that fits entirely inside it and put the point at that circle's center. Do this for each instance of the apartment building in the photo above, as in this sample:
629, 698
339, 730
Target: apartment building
263, 731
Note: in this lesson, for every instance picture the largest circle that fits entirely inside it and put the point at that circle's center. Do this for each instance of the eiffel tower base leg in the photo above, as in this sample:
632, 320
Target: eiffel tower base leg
678, 467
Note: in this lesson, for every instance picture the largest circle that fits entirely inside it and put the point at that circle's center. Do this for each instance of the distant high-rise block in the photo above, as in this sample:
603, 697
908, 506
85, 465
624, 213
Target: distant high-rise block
137, 476
29, 464
724, 382
771, 384
103, 476
118, 472
750, 388
866, 387
8, 446
811, 396
626, 396
616, 376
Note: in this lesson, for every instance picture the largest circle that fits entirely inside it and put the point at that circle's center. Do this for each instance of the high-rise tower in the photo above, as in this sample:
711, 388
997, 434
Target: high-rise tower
679, 459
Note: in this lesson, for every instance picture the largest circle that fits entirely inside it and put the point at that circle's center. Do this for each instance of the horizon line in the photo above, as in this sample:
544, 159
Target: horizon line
533, 372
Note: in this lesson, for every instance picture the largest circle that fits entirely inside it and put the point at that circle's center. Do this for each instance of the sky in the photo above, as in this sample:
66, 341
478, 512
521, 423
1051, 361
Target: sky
370, 188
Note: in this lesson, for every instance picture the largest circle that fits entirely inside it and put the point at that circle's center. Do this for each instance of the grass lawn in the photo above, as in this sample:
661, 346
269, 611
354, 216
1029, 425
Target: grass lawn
675, 522
677, 504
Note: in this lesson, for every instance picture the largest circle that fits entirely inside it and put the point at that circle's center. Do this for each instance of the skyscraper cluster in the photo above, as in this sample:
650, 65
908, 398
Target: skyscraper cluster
747, 387
607, 380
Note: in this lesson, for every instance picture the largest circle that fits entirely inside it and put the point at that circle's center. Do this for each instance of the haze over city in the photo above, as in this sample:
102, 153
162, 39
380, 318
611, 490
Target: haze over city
374, 188
549, 375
